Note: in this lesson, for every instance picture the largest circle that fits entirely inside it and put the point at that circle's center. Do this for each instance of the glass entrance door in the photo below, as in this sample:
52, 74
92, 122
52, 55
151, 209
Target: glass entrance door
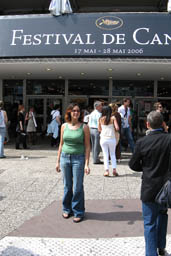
43, 107
142, 107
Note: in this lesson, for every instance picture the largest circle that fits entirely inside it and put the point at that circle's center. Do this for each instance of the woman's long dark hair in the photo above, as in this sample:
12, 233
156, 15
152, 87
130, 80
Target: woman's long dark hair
107, 112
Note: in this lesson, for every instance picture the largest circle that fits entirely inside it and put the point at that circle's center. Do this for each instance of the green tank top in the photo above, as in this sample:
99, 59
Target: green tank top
73, 141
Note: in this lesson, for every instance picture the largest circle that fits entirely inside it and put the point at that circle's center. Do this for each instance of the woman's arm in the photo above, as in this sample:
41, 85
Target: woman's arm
21, 126
87, 148
58, 120
5, 117
60, 149
99, 125
130, 122
165, 127
116, 124
20, 119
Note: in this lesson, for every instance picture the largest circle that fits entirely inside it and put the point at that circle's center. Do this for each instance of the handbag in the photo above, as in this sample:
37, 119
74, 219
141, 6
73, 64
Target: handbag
164, 195
18, 128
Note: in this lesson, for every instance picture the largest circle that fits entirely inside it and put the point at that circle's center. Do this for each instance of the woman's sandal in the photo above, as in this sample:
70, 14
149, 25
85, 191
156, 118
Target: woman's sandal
66, 215
115, 174
78, 219
106, 174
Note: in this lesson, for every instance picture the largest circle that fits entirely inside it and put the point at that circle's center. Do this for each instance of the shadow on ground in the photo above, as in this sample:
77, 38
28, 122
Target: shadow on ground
12, 250
25, 154
131, 217
135, 174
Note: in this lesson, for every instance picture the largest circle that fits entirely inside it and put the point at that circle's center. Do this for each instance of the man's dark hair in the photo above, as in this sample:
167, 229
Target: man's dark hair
56, 107
155, 119
156, 105
126, 99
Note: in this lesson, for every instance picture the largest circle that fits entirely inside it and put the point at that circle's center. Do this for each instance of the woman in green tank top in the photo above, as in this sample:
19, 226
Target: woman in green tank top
73, 160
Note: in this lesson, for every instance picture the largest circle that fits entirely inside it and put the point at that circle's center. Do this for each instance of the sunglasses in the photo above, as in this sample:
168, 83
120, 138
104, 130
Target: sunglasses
74, 110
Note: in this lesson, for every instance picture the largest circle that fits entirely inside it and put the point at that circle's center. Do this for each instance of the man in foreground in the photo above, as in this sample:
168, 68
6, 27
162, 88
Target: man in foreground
151, 157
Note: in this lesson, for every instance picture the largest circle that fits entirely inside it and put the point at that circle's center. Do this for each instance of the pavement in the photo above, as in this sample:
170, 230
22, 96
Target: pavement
31, 222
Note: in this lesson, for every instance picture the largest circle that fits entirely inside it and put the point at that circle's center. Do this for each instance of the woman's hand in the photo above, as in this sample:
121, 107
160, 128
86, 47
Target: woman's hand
58, 167
87, 170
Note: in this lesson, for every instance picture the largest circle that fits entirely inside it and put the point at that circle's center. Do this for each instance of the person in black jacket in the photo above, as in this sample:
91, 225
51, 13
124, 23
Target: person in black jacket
151, 157
21, 134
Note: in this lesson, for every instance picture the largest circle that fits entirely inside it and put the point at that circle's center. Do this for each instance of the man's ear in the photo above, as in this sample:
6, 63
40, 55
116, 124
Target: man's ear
148, 125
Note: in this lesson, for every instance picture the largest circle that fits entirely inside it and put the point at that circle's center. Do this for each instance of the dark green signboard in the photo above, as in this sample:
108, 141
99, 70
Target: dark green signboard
81, 35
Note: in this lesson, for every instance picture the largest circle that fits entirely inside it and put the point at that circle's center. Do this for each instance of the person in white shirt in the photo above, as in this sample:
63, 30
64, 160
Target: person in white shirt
3, 123
126, 129
53, 127
94, 133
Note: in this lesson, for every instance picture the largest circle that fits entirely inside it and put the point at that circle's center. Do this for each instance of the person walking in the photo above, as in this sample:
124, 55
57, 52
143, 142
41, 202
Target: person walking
73, 160
159, 108
20, 129
117, 115
151, 157
3, 124
53, 127
107, 127
126, 122
94, 133
31, 126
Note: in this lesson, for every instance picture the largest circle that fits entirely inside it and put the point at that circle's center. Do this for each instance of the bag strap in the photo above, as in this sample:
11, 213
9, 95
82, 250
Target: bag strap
55, 116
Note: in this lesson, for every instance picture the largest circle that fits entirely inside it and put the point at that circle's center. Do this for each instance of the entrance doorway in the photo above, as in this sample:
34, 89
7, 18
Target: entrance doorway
142, 106
43, 107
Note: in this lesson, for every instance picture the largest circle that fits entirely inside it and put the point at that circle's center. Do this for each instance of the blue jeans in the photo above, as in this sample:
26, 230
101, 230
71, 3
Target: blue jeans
2, 139
128, 134
95, 144
155, 227
72, 167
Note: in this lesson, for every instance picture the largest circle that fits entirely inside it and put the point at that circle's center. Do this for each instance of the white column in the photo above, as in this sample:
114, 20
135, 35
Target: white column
169, 6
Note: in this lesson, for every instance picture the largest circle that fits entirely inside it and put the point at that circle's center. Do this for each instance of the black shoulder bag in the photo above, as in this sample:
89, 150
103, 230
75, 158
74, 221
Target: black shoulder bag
164, 195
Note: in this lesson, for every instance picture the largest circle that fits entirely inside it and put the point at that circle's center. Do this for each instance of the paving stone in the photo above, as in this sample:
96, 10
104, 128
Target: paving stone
29, 186
14, 246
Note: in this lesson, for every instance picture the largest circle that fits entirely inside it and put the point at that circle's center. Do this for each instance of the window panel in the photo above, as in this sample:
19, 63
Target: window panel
164, 89
89, 87
45, 87
133, 88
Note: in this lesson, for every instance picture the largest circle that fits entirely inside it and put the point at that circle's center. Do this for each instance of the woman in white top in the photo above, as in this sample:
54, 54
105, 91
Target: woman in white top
3, 123
107, 127
31, 125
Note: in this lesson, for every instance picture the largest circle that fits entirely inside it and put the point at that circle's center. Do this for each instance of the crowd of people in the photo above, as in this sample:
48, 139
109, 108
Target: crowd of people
103, 130
22, 125
150, 155
109, 126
